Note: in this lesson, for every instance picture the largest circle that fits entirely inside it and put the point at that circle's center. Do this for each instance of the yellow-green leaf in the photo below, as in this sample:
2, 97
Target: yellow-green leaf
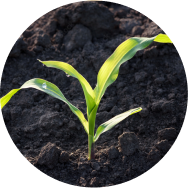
68, 69
125, 51
7, 97
114, 121
109, 71
164, 38
50, 89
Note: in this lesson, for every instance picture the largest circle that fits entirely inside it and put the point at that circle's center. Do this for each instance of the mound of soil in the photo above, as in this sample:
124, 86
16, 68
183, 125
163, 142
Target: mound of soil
51, 137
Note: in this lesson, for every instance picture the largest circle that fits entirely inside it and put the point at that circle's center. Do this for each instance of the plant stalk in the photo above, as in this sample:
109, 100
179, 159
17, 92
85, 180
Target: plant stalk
91, 148
93, 151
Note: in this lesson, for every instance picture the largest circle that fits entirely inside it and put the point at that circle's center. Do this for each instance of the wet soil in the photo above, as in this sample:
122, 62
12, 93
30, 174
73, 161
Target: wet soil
51, 137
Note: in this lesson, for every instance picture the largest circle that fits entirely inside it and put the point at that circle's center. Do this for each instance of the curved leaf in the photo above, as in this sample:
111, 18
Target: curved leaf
109, 71
50, 89
125, 51
68, 69
164, 38
7, 97
114, 121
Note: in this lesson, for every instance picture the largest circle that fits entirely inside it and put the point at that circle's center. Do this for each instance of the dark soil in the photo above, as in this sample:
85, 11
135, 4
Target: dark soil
51, 137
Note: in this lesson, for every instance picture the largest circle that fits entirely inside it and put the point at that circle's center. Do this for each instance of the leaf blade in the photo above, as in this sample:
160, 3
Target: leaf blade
125, 51
114, 121
4, 100
68, 69
50, 89
164, 38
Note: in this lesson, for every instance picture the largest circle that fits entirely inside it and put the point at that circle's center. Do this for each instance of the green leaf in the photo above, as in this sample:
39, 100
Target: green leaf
50, 89
164, 38
7, 97
68, 69
109, 71
125, 51
114, 121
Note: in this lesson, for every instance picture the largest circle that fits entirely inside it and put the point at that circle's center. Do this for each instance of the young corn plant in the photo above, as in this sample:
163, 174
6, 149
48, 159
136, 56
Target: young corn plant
106, 76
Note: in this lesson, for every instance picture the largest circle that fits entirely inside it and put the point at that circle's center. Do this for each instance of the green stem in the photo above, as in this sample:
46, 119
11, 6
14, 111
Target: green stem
91, 152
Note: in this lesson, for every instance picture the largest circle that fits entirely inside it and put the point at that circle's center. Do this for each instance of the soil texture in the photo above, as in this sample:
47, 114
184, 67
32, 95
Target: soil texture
51, 137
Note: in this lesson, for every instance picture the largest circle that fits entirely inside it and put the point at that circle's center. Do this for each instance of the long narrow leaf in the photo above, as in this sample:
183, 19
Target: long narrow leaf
68, 69
114, 121
108, 73
164, 38
7, 97
50, 89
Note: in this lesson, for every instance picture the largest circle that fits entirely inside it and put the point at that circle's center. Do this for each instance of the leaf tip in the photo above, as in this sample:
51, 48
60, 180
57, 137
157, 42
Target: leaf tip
39, 60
